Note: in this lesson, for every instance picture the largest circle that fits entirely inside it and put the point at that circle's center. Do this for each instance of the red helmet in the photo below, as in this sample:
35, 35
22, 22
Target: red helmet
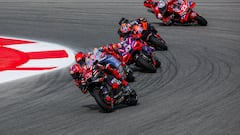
80, 57
137, 31
125, 28
141, 19
75, 69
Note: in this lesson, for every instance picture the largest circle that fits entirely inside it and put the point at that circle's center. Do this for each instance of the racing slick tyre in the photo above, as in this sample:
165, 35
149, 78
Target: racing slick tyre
130, 77
201, 21
158, 63
129, 74
99, 98
148, 67
133, 99
158, 43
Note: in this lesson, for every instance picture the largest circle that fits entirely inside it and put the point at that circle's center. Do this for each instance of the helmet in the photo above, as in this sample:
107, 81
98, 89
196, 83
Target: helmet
137, 31
115, 46
75, 69
142, 19
162, 6
144, 22
125, 28
80, 58
123, 20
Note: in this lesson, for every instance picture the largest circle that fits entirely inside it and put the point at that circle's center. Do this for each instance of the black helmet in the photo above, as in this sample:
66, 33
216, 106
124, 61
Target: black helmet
123, 20
80, 58
142, 19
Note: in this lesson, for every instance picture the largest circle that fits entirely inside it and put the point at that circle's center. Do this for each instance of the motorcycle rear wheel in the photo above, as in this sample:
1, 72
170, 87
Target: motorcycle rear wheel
133, 99
158, 43
158, 63
130, 77
100, 101
148, 67
201, 21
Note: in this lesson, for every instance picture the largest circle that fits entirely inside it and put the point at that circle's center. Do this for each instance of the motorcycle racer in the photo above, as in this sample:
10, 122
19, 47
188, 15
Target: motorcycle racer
141, 29
130, 45
112, 49
107, 55
124, 31
126, 27
81, 71
164, 9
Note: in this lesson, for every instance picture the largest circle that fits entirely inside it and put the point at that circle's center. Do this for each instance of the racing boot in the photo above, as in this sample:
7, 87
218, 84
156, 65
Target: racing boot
129, 73
126, 88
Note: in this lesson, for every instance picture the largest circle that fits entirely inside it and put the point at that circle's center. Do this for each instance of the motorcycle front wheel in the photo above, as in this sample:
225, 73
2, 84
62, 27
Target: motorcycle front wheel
201, 21
133, 99
158, 63
130, 77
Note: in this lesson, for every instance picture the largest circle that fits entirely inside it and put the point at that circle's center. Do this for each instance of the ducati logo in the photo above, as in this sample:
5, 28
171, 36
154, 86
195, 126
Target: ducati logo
21, 58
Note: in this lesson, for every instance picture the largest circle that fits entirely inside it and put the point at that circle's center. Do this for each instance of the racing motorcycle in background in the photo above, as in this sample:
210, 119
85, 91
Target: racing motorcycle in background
154, 39
101, 82
138, 53
185, 15
150, 35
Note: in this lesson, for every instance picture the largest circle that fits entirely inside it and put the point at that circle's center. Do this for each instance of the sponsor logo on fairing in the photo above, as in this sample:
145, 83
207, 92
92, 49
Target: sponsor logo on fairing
21, 58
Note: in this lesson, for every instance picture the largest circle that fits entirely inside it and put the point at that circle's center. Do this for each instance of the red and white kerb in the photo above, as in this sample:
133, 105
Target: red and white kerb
21, 58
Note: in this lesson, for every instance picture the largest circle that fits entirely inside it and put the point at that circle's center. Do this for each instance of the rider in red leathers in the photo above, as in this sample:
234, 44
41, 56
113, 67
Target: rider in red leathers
164, 9
146, 32
79, 71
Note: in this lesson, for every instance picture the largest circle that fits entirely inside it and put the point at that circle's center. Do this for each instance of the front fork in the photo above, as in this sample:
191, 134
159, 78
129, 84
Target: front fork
193, 15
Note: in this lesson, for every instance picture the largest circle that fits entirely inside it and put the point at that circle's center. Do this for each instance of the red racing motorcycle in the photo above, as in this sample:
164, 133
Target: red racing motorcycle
138, 53
184, 15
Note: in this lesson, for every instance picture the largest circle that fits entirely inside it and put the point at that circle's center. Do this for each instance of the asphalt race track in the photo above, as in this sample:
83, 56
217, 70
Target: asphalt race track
197, 91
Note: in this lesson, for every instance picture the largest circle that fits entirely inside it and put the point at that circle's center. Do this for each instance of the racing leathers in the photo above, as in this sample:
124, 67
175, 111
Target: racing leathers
96, 57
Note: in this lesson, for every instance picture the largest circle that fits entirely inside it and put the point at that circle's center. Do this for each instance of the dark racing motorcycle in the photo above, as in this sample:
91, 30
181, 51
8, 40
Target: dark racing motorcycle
101, 83
154, 39
138, 53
